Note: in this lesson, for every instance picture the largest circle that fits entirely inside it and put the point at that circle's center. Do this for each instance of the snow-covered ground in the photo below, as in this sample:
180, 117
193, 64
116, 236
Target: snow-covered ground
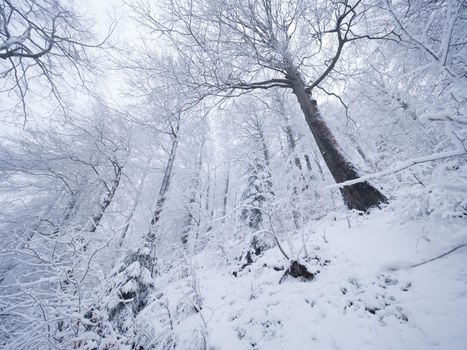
365, 296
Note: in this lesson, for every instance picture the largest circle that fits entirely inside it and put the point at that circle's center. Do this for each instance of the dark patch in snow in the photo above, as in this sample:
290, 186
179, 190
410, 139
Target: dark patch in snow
297, 270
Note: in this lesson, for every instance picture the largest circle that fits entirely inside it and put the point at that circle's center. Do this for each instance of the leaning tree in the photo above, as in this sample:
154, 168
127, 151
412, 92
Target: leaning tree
235, 46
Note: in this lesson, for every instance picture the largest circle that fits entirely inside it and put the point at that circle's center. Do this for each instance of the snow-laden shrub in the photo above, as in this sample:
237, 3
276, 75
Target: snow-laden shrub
129, 289
444, 196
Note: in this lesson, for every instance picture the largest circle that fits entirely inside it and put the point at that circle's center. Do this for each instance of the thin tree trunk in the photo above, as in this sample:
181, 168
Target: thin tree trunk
308, 163
262, 142
108, 197
360, 196
289, 133
321, 172
360, 150
194, 194
207, 204
151, 236
292, 145
133, 209
226, 194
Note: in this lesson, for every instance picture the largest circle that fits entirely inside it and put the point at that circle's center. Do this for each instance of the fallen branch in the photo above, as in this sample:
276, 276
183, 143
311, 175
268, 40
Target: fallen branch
393, 269
400, 167
439, 256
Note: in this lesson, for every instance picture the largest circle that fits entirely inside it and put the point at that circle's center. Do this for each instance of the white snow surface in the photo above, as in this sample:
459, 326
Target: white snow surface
366, 297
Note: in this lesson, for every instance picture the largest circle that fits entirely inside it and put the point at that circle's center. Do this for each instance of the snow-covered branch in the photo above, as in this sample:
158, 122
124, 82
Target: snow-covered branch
402, 166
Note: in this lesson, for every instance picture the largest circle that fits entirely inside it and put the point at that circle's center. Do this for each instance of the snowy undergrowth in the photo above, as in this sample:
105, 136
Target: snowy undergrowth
364, 294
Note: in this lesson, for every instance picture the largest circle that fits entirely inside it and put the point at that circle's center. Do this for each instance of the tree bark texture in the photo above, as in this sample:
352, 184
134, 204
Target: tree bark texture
360, 196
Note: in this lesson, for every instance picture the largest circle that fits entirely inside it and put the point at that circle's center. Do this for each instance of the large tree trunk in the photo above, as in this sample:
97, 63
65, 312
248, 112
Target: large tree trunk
360, 196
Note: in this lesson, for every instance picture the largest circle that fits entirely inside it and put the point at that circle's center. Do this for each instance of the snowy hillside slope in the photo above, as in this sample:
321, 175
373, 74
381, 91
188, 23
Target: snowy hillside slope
364, 295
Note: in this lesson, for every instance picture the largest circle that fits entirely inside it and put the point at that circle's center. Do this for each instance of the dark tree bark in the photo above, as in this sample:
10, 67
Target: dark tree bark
308, 163
360, 196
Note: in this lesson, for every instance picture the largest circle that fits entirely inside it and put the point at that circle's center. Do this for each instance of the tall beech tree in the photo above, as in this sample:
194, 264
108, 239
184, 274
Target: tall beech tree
236, 46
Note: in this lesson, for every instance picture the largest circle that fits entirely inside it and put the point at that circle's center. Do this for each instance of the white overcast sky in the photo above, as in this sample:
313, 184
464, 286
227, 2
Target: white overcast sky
103, 13
101, 10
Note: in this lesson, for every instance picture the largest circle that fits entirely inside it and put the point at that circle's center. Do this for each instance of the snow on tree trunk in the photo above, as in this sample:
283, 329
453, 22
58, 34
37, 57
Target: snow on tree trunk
292, 145
151, 236
132, 212
107, 199
226, 195
193, 208
257, 194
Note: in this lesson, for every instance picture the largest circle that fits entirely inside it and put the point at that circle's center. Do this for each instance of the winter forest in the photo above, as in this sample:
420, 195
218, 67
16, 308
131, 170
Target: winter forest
233, 174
